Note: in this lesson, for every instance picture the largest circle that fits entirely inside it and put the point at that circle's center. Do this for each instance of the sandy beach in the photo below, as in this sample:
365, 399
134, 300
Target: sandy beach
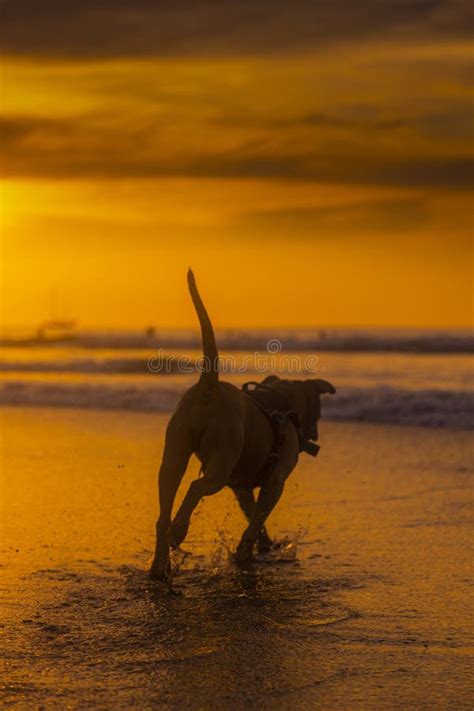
367, 605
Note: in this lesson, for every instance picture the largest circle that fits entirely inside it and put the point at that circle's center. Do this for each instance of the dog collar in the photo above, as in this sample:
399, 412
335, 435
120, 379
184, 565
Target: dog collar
310, 448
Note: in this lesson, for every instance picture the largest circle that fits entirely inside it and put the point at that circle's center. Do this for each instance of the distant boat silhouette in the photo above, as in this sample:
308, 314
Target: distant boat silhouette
48, 332
54, 330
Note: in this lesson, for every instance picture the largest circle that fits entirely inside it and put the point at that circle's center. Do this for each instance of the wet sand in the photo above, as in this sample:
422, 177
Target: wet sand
367, 606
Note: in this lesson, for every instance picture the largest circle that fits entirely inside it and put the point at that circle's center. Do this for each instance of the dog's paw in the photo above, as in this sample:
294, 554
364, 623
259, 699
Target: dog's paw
177, 533
242, 560
160, 569
243, 556
157, 574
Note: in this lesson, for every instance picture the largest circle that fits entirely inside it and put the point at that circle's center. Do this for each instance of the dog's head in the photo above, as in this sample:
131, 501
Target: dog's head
303, 396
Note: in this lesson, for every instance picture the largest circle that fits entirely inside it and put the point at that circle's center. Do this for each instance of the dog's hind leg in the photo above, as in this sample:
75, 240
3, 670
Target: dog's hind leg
178, 449
217, 472
246, 500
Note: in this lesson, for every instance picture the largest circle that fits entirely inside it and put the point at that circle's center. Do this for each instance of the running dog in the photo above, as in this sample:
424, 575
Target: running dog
244, 439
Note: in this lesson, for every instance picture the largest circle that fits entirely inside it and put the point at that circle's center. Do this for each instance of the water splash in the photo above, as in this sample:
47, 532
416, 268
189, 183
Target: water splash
285, 550
223, 550
177, 559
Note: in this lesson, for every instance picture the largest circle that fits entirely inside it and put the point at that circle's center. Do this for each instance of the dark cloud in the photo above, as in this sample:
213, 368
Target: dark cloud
447, 125
315, 119
87, 148
358, 169
138, 28
321, 119
381, 217
15, 130
454, 123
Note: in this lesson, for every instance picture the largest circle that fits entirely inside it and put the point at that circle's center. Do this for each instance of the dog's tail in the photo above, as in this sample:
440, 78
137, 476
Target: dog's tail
210, 371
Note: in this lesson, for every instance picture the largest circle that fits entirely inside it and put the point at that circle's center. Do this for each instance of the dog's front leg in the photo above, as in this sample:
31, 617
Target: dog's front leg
268, 497
246, 501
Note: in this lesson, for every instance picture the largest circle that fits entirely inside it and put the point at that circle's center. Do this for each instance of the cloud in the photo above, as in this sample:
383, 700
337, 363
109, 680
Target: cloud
14, 130
316, 119
89, 147
382, 217
140, 28
363, 169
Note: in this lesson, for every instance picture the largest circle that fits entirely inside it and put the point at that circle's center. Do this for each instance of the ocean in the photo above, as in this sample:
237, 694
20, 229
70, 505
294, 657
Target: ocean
390, 376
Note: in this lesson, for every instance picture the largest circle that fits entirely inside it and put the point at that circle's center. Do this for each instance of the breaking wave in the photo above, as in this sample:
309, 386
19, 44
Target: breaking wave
85, 365
381, 404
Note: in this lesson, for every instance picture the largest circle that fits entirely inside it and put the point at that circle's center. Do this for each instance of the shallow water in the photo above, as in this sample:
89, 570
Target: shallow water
424, 389
366, 606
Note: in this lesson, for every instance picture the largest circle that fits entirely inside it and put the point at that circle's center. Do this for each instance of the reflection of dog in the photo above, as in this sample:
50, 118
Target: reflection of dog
233, 433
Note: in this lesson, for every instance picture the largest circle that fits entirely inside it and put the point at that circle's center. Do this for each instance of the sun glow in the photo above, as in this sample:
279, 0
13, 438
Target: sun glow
293, 179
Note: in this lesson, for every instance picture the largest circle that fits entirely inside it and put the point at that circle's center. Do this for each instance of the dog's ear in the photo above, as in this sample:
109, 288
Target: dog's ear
270, 379
323, 387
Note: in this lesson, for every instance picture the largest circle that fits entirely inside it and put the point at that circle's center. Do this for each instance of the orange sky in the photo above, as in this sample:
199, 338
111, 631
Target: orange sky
319, 182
